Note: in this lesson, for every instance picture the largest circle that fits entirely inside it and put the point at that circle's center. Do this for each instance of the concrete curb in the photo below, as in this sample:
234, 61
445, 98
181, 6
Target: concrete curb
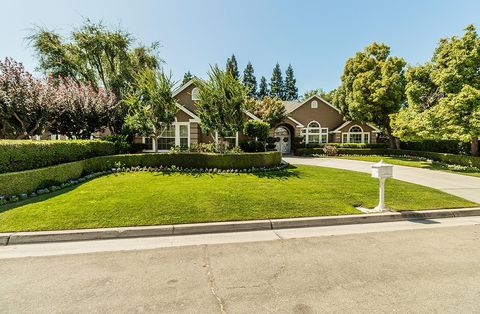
229, 226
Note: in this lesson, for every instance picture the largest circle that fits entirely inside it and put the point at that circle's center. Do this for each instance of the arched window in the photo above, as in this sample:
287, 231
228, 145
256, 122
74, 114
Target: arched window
355, 129
314, 133
314, 104
195, 94
356, 135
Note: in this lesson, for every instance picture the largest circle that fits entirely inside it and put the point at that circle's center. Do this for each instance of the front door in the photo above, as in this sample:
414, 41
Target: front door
282, 137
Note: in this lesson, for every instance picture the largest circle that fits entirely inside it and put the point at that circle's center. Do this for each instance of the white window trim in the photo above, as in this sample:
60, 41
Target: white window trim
314, 102
236, 138
363, 134
177, 137
195, 94
323, 131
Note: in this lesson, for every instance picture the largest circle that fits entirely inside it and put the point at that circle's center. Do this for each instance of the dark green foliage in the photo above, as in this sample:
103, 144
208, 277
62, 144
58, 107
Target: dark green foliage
256, 130
277, 89
232, 67
31, 180
291, 90
253, 146
121, 142
347, 145
271, 143
250, 81
187, 77
263, 88
439, 146
24, 155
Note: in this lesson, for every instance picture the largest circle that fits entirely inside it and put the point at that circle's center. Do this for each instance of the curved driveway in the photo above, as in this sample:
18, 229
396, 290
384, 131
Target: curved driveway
463, 186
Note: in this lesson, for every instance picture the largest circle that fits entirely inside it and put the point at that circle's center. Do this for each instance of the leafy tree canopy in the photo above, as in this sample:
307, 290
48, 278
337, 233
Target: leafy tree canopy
97, 56
270, 110
187, 77
221, 103
373, 87
151, 103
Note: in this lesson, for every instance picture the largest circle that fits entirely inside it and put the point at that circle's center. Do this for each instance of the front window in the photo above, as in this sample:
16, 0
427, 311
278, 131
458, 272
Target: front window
166, 139
231, 139
356, 135
315, 134
183, 135
148, 142
195, 94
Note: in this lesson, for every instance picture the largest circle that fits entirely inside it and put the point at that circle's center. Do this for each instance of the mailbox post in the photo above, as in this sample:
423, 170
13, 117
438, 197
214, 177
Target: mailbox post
382, 171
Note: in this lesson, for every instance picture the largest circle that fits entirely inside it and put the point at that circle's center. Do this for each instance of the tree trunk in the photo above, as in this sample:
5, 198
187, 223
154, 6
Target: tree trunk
474, 146
394, 142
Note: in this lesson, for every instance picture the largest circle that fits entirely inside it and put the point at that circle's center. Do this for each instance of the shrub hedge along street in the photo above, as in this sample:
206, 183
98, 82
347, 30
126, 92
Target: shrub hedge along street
32, 180
460, 160
24, 155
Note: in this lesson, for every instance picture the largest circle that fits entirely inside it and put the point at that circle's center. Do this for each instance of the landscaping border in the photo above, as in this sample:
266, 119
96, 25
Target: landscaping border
23, 184
228, 226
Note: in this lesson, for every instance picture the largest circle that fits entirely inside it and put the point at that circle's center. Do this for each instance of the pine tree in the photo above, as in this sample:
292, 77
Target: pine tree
263, 88
276, 83
187, 77
249, 80
232, 67
291, 90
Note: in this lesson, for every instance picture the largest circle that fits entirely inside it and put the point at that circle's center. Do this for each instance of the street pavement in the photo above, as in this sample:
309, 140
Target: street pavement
467, 187
411, 266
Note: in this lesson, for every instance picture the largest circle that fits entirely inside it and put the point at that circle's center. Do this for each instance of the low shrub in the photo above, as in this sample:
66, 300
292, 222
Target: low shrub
121, 142
24, 155
32, 180
346, 145
271, 143
256, 129
330, 150
252, 146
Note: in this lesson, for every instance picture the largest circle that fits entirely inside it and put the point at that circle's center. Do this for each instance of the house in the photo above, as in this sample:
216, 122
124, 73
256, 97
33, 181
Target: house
315, 119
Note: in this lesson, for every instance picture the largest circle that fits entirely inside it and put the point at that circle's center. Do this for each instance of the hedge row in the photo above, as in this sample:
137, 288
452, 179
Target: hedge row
32, 180
439, 146
25, 155
451, 159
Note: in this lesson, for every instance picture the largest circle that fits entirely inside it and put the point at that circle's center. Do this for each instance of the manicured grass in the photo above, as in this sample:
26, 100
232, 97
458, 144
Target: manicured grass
414, 162
142, 198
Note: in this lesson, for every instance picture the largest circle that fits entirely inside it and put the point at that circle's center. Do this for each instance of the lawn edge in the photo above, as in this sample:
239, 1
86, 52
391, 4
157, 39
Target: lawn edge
14, 238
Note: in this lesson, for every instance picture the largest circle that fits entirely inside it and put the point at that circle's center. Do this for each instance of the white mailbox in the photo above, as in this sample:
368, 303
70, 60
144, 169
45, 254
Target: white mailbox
382, 170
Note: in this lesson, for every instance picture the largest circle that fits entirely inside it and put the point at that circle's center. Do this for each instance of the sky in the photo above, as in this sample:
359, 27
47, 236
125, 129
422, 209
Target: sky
315, 37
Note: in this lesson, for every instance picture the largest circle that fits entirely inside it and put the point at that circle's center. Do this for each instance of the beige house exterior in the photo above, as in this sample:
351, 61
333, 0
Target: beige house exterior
315, 119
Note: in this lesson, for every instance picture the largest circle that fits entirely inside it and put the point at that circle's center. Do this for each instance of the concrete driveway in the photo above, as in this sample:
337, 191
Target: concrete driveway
463, 186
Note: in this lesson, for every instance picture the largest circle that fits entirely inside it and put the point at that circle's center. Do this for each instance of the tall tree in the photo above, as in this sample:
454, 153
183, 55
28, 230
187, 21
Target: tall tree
373, 88
221, 103
443, 95
263, 88
26, 103
97, 56
291, 90
249, 81
232, 67
151, 102
187, 77
80, 109
277, 89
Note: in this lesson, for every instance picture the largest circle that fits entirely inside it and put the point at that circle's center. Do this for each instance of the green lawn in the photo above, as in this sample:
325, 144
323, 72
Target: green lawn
413, 162
130, 199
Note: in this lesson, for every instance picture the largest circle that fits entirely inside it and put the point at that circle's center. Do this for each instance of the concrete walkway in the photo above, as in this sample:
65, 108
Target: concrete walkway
460, 185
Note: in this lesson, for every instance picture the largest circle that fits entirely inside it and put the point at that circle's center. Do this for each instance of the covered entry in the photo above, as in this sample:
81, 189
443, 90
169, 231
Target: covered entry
283, 139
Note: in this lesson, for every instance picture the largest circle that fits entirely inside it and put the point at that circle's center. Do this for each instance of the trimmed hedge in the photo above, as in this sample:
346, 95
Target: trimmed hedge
451, 159
25, 155
32, 180
439, 146
345, 145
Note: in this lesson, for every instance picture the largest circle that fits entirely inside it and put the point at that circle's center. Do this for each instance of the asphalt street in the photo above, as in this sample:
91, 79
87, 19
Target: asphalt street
420, 269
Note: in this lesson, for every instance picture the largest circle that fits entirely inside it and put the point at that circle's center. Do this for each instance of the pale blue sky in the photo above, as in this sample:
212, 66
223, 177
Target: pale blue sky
316, 37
